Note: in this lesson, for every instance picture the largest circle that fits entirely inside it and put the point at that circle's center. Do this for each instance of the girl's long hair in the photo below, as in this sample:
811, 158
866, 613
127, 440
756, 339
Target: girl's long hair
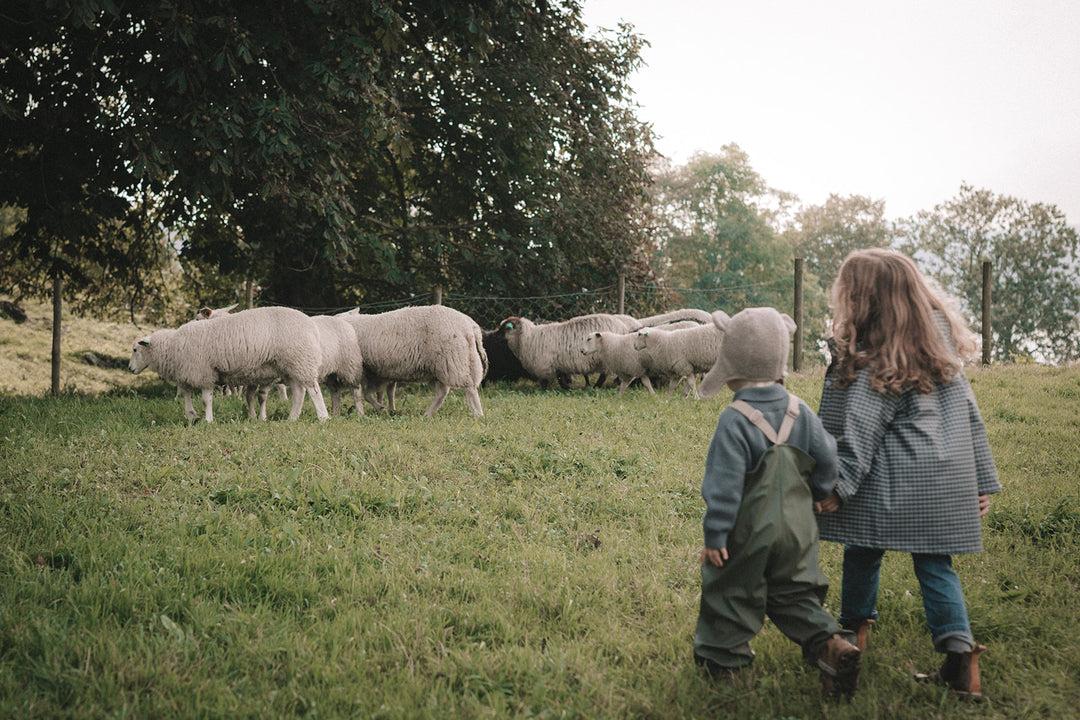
884, 317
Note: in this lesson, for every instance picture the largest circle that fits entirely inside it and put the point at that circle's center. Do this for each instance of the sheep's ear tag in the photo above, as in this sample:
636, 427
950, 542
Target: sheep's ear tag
509, 326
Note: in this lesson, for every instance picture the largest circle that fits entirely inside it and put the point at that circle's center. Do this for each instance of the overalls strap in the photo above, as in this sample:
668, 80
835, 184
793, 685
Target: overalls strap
754, 415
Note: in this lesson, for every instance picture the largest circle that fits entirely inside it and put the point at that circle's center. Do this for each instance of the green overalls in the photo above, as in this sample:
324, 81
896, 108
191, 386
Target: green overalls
773, 559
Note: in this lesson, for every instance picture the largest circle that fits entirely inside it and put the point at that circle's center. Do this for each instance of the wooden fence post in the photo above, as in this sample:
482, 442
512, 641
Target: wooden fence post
987, 328
796, 354
622, 293
437, 292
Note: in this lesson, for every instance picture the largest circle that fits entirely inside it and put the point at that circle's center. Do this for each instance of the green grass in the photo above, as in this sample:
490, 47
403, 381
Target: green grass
540, 561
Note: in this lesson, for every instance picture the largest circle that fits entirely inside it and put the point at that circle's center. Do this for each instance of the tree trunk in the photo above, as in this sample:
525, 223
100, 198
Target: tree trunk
57, 305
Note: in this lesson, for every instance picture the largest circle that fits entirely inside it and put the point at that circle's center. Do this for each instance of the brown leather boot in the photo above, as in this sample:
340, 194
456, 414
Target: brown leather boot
960, 672
861, 628
839, 662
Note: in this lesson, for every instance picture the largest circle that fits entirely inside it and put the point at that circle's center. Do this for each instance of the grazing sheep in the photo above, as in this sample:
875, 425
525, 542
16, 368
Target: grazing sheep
551, 351
619, 357
679, 354
430, 343
698, 316
254, 347
342, 366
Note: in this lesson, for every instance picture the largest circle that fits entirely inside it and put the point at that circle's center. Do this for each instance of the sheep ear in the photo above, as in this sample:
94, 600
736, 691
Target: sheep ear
720, 319
144, 343
789, 323
206, 313
509, 325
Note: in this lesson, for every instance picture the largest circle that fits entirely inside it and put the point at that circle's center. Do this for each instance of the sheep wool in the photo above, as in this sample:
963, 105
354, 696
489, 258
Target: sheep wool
549, 351
679, 354
256, 347
429, 343
618, 357
342, 365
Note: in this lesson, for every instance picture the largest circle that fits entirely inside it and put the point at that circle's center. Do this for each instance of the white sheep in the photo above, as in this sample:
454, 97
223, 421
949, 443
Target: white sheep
430, 343
698, 316
550, 351
342, 365
254, 347
618, 357
679, 354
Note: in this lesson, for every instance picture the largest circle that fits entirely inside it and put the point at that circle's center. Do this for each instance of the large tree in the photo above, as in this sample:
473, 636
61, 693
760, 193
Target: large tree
718, 233
1032, 250
333, 150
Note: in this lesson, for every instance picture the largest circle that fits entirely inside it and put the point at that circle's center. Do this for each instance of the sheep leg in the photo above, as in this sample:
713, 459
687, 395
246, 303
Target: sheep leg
441, 391
358, 401
472, 399
390, 388
316, 399
335, 401
208, 403
264, 393
372, 397
647, 383
189, 409
691, 381
297, 391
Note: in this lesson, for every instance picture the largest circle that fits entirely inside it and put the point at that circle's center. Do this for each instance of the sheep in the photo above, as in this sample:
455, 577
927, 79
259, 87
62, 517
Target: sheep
678, 354
619, 357
342, 366
553, 350
429, 343
252, 394
253, 347
699, 316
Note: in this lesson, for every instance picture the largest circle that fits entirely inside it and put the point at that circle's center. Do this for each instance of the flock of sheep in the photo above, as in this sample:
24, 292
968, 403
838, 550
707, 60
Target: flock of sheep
368, 355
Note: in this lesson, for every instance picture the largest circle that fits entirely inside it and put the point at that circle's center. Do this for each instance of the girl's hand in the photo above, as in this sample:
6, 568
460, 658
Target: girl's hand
712, 556
829, 504
984, 505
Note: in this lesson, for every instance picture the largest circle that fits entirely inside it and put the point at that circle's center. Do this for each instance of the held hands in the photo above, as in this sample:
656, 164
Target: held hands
984, 505
828, 505
712, 556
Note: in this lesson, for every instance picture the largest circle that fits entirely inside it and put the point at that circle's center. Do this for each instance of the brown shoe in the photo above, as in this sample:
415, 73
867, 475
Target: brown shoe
861, 628
960, 672
839, 662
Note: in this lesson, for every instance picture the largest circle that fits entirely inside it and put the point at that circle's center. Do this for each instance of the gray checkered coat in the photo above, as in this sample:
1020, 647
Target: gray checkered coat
912, 467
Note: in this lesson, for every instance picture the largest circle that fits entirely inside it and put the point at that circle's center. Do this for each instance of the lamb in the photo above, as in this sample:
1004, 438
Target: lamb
678, 354
430, 343
342, 365
254, 347
553, 350
619, 357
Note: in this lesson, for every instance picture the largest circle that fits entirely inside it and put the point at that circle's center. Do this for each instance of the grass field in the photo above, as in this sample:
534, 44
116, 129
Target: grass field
540, 561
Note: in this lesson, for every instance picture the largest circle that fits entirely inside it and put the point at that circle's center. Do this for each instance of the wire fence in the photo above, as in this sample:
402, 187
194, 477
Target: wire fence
635, 300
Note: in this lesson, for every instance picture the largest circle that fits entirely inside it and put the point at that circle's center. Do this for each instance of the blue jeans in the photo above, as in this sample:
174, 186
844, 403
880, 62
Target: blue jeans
943, 598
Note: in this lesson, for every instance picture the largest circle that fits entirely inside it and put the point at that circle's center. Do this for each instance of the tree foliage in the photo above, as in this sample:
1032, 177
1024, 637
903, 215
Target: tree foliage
717, 231
336, 151
1035, 289
825, 234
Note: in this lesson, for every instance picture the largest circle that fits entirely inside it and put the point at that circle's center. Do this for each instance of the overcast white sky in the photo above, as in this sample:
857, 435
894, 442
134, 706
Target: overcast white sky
900, 101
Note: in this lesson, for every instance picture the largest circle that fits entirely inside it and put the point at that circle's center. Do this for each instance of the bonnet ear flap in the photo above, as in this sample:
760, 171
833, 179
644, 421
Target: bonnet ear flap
788, 323
720, 320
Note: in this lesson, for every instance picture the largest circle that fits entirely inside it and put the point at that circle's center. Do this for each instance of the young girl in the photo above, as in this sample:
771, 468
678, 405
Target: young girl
915, 471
